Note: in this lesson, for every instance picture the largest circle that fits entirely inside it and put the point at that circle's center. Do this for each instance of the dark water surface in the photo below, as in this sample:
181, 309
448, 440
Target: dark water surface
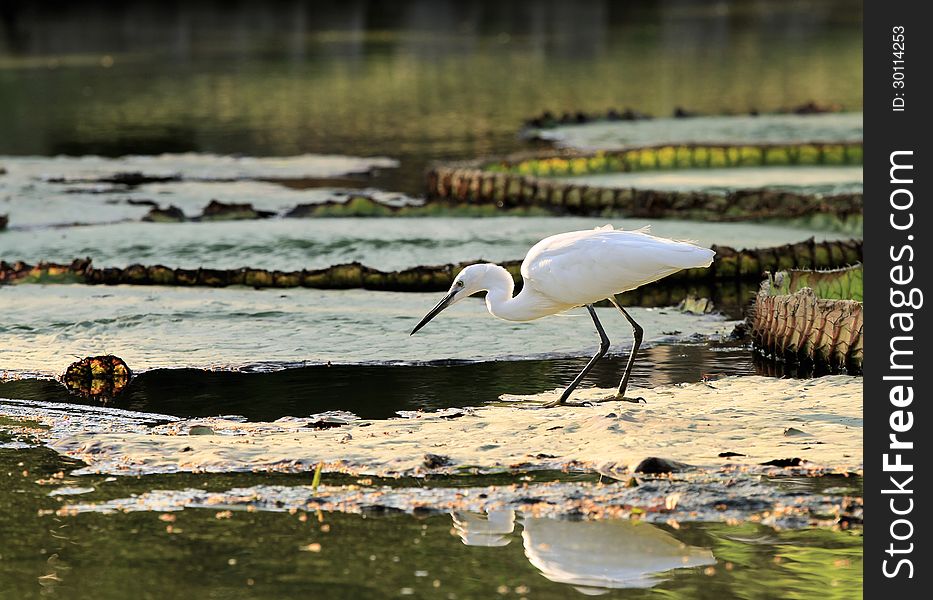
378, 391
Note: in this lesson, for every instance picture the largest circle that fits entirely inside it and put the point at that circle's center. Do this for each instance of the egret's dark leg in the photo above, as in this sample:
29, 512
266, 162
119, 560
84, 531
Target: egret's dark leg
603, 348
639, 335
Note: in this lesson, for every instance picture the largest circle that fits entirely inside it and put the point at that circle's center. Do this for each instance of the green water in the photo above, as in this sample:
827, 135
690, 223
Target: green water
207, 552
413, 80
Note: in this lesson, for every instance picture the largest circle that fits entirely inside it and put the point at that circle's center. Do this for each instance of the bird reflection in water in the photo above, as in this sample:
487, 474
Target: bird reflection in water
592, 556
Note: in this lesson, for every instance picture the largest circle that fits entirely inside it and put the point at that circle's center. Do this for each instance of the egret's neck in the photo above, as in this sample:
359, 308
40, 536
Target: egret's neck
526, 306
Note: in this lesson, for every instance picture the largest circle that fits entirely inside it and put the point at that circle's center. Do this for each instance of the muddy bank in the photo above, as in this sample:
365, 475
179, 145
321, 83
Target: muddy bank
750, 422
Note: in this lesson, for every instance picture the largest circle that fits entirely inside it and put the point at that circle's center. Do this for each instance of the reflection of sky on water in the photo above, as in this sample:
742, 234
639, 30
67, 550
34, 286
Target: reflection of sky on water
591, 556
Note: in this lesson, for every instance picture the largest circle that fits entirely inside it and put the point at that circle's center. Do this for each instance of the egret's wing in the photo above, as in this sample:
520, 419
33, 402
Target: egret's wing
586, 266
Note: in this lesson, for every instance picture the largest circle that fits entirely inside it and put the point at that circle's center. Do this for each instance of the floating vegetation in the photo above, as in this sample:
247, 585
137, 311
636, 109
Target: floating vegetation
238, 329
42, 191
547, 119
837, 284
358, 205
729, 265
680, 156
811, 317
764, 129
222, 211
100, 377
526, 181
172, 214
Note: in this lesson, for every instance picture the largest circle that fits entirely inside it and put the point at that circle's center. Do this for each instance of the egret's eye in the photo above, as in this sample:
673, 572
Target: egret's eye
460, 284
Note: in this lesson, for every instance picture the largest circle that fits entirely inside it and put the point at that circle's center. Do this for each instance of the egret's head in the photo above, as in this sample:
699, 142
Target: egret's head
469, 281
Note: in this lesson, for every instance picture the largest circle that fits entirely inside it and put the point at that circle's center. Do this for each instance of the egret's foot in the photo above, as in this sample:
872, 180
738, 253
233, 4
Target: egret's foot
563, 402
556, 403
591, 402
636, 400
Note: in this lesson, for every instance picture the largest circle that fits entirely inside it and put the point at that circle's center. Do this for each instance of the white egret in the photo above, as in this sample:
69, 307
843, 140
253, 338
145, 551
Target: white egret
573, 269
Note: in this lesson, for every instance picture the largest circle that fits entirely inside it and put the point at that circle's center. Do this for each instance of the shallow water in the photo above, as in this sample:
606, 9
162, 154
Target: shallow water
269, 391
611, 135
47, 327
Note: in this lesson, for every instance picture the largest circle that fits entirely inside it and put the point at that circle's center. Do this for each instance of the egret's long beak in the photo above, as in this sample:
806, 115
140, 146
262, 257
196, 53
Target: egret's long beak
435, 311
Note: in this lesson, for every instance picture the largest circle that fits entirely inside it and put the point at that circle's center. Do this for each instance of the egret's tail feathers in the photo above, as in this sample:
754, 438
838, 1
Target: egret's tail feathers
681, 255
609, 227
699, 257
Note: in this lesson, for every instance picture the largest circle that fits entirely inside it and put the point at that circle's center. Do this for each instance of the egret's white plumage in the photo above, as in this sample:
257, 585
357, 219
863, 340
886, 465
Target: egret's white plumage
578, 268
583, 267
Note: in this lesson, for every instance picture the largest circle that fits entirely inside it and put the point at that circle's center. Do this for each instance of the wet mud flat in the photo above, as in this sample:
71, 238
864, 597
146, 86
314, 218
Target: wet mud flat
709, 444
